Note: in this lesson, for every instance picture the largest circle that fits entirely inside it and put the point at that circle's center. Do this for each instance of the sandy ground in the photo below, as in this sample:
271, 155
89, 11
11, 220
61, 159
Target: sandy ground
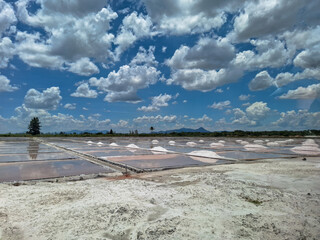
271, 199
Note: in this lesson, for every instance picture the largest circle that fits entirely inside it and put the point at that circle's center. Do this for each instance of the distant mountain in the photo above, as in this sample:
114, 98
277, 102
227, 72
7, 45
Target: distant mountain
201, 130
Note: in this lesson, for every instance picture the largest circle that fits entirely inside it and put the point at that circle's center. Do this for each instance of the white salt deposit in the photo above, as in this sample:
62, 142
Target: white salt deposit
191, 144
258, 141
254, 147
267, 140
132, 146
273, 144
239, 140
155, 141
100, 143
113, 145
310, 142
205, 153
159, 149
172, 142
216, 145
201, 141
306, 150
244, 142
221, 141
89, 142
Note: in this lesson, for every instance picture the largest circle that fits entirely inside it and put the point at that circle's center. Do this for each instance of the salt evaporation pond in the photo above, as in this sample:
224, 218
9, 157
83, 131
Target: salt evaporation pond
25, 159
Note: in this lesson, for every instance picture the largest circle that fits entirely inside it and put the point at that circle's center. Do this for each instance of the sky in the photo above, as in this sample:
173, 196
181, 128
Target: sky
126, 65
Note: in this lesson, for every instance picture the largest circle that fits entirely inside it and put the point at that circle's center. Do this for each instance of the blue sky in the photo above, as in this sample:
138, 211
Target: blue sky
126, 65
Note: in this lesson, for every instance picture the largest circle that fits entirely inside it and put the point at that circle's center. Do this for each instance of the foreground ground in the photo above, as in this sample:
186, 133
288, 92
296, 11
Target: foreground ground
270, 199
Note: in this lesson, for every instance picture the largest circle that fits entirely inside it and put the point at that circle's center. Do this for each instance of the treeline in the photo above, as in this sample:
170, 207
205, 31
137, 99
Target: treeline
236, 133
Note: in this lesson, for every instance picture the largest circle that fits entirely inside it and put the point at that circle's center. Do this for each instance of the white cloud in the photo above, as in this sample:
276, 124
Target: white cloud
267, 17
257, 110
83, 67
301, 119
241, 118
70, 106
157, 102
197, 79
207, 54
310, 92
268, 53
219, 90
73, 30
133, 27
155, 119
261, 81
5, 85
220, 105
243, 97
164, 49
84, 91
309, 58
6, 51
124, 84
7, 16
183, 17
49, 99
145, 57
203, 119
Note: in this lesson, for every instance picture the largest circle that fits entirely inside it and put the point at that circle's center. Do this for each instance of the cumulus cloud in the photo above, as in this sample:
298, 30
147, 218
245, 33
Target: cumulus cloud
155, 119
203, 119
73, 31
261, 81
241, 118
157, 102
198, 79
309, 58
207, 54
83, 67
70, 106
183, 17
310, 92
124, 84
257, 110
243, 97
268, 53
145, 57
133, 27
49, 99
301, 119
83, 90
5, 85
220, 105
252, 22
7, 16
6, 51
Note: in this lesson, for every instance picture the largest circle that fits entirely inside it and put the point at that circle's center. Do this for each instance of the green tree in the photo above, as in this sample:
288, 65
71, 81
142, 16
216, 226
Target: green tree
34, 126
151, 129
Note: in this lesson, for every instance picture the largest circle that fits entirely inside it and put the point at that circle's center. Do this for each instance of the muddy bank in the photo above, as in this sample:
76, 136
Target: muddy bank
271, 199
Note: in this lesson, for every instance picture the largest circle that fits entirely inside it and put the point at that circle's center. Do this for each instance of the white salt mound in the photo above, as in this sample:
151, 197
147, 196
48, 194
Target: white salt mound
100, 143
258, 141
132, 146
172, 142
216, 145
239, 141
273, 144
254, 147
159, 149
244, 142
201, 141
89, 142
113, 144
191, 144
205, 153
310, 142
221, 141
155, 141
306, 150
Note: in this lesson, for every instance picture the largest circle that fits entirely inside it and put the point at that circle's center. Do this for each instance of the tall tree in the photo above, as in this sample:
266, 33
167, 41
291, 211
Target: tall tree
34, 126
151, 129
